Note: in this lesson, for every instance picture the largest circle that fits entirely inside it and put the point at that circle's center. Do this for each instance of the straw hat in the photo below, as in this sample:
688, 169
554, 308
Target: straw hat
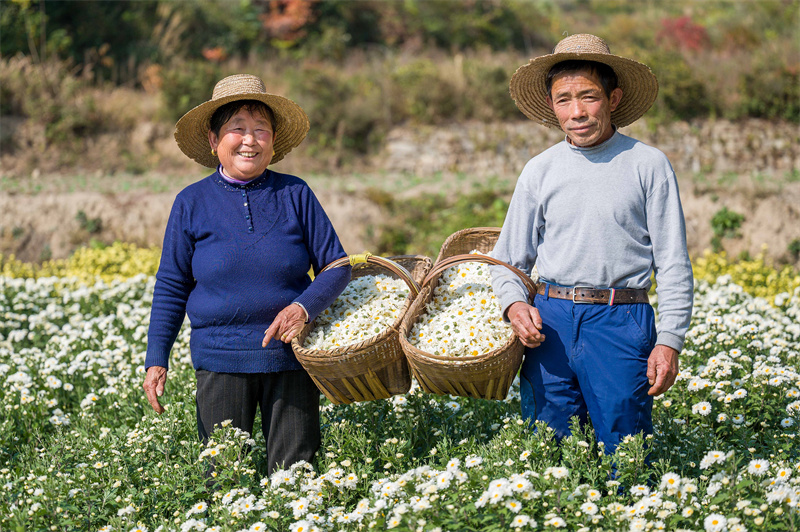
638, 83
191, 131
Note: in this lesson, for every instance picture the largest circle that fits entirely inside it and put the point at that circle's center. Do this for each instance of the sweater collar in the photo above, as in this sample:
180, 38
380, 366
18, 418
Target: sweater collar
257, 183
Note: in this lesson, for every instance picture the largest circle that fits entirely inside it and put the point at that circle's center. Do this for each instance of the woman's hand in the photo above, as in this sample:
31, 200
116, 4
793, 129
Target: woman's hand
153, 386
287, 324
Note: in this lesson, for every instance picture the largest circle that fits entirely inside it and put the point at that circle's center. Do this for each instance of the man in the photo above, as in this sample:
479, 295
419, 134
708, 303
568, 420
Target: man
597, 214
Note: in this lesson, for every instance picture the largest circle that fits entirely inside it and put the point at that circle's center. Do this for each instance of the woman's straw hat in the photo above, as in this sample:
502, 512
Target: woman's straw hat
191, 131
638, 83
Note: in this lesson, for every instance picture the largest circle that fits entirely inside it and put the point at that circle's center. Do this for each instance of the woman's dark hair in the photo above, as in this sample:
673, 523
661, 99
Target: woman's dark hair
608, 78
226, 112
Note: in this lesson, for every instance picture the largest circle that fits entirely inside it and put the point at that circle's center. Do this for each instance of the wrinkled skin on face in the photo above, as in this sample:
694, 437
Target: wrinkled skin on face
582, 108
244, 145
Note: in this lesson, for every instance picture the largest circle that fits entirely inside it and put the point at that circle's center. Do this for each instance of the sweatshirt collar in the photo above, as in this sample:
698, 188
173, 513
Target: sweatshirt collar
598, 147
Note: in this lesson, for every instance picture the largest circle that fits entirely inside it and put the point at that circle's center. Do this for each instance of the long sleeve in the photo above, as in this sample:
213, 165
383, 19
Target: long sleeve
673, 269
174, 283
324, 247
517, 246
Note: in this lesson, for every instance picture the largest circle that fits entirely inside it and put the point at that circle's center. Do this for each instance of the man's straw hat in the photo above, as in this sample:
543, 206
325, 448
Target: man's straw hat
191, 131
638, 83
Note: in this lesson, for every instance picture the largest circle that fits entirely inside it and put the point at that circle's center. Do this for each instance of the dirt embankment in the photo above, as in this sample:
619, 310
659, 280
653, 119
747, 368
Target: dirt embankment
751, 168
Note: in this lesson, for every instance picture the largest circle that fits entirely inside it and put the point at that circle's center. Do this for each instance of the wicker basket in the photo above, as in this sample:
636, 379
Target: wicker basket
462, 242
375, 368
485, 376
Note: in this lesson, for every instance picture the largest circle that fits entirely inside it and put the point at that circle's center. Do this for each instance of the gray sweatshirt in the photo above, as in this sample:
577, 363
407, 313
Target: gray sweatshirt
603, 217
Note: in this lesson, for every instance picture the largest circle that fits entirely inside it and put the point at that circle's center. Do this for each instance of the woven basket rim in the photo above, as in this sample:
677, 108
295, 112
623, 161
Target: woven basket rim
461, 233
351, 350
414, 313
405, 329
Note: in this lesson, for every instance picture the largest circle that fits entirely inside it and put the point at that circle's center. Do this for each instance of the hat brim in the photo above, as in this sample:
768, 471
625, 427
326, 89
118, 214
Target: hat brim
639, 86
290, 128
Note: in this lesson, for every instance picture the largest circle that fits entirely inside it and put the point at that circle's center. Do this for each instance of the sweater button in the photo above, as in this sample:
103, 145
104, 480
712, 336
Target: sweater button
246, 216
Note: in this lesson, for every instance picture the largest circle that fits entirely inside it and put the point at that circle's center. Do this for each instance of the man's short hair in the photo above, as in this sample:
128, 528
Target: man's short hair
608, 78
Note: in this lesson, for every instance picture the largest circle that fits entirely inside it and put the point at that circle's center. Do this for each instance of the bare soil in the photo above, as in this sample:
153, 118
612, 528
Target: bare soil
49, 213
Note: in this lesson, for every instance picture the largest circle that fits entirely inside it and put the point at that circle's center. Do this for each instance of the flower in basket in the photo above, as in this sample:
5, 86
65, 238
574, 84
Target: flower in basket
367, 306
463, 317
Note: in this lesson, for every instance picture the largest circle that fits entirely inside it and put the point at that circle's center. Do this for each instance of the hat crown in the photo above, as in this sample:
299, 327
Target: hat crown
238, 84
582, 43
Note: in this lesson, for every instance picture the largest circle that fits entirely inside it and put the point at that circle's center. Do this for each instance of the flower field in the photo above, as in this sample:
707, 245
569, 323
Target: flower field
80, 448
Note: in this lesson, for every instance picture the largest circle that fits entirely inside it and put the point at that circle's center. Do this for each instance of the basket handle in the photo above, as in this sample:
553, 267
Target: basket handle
486, 259
390, 265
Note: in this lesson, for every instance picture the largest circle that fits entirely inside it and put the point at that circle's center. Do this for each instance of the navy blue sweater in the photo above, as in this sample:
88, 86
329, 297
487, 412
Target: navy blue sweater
233, 257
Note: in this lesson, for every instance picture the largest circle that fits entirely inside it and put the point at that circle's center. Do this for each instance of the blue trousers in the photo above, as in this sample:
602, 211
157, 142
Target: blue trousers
592, 364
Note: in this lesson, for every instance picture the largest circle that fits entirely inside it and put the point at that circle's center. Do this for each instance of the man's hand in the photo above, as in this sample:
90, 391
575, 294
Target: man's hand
287, 324
662, 369
527, 323
153, 386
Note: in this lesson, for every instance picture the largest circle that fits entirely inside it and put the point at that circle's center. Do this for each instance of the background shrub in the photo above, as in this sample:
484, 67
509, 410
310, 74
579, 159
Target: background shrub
186, 84
360, 68
420, 225
421, 91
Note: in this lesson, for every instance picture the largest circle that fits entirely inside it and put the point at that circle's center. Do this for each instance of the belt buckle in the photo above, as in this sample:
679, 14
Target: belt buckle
574, 290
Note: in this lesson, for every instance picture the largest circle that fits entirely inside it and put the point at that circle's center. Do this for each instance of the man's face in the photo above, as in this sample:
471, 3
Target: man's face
582, 108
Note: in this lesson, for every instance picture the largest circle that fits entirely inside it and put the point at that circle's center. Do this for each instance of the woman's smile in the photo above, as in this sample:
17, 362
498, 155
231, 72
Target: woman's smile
244, 145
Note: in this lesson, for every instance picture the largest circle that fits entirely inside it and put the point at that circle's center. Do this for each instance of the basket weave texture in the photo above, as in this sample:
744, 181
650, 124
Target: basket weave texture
485, 376
375, 368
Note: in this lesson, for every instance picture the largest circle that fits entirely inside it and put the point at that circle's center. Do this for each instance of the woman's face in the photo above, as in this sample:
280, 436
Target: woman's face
244, 145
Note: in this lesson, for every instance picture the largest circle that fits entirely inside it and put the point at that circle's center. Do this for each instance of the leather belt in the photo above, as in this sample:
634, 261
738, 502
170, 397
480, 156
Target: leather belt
602, 296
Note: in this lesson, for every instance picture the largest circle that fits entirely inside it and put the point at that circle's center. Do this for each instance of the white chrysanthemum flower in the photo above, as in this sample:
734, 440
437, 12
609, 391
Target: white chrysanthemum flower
301, 526
711, 458
522, 520
703, 408
367, 306
463, 317
557, 472
472, 461
758, 467
715, 523
670, 481
589, 508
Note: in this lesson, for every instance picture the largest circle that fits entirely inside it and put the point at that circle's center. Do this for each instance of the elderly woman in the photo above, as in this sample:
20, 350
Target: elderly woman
237, 251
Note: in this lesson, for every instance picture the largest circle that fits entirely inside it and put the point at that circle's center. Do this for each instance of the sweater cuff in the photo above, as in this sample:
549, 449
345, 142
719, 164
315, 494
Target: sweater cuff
156, 358
302, 307
670, 340
323, 291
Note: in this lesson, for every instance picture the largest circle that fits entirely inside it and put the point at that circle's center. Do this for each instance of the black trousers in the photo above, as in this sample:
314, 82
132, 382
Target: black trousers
289, 403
